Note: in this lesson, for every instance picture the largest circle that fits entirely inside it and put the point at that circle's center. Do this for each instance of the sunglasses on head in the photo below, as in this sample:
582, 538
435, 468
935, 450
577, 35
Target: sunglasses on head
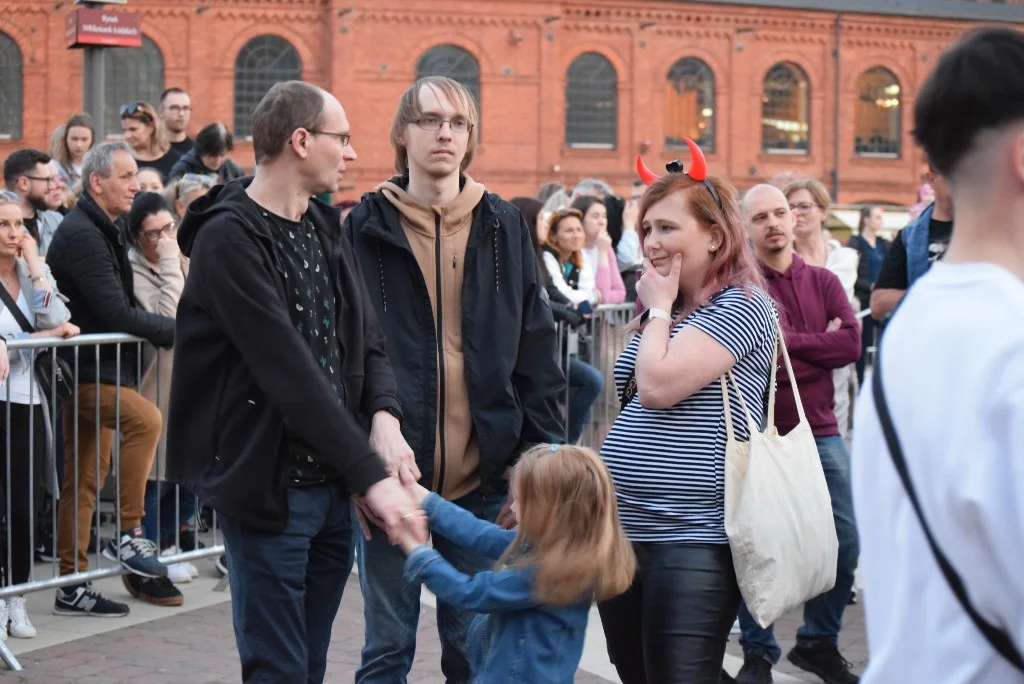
134, 109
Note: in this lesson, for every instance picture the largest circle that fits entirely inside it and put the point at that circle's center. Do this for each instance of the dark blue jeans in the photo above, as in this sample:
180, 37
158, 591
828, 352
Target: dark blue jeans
585, 384
171, 515
391, 605
286, 587
823, 615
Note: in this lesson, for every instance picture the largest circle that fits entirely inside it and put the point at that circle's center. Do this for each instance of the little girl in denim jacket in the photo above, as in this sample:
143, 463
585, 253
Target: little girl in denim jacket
569, 550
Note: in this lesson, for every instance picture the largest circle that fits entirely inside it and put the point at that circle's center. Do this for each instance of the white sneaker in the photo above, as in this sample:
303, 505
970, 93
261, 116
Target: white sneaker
21, 627
178, 572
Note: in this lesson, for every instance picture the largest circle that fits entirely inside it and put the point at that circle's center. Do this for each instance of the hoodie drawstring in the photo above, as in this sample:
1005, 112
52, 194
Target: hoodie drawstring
380, 271
497, 225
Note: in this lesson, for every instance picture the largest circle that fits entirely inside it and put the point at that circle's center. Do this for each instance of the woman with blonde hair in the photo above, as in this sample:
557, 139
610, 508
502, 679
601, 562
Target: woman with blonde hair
145, 132
567, 551
30, 307
708, 314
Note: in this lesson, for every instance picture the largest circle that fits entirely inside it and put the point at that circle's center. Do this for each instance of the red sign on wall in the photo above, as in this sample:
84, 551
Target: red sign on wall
103, 27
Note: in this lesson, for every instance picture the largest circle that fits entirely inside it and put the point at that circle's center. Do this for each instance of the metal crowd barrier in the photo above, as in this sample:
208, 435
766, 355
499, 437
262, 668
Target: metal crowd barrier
598, 341
44, 478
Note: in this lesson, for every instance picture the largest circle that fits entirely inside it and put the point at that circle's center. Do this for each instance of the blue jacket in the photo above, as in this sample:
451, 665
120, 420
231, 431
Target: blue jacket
915, 239
515, 640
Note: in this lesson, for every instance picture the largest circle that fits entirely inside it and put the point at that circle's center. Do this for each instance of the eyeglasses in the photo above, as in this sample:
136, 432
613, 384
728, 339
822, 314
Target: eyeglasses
49, 180
345, 138
134, 109
154, 235
434, 123
803, 207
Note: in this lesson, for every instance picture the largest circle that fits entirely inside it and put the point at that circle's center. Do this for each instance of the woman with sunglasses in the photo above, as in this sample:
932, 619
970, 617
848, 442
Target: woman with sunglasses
145, 132
159, 279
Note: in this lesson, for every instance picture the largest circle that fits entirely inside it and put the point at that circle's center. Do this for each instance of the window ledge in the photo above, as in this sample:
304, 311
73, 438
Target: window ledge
877, 155
787, 153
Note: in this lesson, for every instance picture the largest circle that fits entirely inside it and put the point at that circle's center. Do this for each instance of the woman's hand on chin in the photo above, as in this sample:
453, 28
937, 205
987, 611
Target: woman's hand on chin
659, 291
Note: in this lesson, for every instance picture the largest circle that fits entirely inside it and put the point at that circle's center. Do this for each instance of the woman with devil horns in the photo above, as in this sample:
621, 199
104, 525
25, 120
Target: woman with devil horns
708, 313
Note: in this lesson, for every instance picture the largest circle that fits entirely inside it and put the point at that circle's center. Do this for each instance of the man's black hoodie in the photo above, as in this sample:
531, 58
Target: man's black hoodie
244, 378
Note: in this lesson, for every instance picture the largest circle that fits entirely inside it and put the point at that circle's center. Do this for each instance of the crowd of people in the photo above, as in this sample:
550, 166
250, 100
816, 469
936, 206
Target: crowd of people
379, 382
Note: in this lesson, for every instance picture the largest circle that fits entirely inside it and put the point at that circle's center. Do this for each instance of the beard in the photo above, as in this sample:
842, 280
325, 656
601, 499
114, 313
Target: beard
38, 202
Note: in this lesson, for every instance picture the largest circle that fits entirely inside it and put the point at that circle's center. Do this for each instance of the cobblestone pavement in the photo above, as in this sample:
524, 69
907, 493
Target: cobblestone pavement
197, 647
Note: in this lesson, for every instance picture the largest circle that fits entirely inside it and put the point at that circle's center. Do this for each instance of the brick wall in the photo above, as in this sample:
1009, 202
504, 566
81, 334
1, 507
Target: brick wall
366, 52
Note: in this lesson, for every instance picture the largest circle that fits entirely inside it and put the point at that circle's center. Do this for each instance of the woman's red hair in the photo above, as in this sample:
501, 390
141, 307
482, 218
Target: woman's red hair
733, 263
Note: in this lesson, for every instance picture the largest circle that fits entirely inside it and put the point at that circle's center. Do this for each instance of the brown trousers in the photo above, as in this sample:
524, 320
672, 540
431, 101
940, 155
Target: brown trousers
140, 425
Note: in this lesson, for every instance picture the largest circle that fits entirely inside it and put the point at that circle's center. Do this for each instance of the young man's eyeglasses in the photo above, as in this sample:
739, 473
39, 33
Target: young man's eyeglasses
154, 235
51, 181
434, 123
345, 138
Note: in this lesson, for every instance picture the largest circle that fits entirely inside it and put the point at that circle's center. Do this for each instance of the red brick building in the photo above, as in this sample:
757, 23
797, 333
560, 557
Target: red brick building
568, 89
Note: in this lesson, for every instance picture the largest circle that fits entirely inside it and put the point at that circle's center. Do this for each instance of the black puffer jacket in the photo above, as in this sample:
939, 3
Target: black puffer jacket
245, 384
190, 163
508, 335
88, 257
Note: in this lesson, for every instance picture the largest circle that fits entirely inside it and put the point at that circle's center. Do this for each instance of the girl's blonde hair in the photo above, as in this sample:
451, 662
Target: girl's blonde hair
569, 529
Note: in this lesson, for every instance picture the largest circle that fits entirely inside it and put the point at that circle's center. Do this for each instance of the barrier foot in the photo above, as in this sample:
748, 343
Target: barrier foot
222, 584
9, 658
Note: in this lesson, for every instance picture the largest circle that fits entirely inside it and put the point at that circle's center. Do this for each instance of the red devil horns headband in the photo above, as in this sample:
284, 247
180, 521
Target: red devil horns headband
698, 170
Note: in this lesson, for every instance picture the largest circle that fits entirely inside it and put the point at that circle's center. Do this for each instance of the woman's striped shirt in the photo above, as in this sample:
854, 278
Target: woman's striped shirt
668, 465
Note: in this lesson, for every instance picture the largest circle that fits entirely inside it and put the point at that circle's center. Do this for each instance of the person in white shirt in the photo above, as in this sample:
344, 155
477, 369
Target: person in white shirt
951, 365
28, 283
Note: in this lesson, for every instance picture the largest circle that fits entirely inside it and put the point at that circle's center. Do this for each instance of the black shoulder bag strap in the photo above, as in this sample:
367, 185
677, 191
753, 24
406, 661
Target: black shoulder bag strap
998, 638
15, 310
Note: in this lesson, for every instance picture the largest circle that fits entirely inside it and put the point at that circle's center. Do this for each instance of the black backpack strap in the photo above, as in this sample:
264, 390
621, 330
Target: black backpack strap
998, 638
15, 310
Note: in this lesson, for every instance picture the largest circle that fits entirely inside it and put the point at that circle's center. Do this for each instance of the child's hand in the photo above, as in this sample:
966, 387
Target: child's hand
418, 491
412, 535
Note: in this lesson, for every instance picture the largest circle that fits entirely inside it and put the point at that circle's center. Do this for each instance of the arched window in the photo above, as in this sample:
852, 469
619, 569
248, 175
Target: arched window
877, 115
786, 110
455, 63
11, 99
591, 103
690, 104
262, 62
130, 75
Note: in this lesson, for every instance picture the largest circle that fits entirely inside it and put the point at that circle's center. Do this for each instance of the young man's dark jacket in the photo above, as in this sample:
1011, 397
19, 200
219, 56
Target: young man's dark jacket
244, 381
508, 334
88, 257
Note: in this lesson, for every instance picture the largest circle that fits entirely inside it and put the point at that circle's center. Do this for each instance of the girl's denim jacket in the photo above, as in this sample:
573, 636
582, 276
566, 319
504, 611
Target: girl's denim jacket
515, 639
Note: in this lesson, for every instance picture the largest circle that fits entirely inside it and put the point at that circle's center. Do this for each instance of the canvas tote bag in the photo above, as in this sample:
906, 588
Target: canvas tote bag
778, 513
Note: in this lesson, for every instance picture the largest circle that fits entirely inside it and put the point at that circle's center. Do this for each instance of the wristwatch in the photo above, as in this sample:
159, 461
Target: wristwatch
655, 313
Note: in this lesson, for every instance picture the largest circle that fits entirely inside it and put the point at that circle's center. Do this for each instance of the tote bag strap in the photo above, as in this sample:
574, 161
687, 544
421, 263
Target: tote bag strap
997, 638
792, 381
755, 424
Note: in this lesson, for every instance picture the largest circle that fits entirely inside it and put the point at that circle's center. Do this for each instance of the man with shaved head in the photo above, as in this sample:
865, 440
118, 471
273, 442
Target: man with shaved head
822, 334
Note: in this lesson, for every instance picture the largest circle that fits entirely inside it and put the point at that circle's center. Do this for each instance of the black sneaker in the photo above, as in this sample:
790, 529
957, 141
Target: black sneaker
755, 670
137, 554
823, 659
222, 565
83, 600
45, 551
159, 591
726, 678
